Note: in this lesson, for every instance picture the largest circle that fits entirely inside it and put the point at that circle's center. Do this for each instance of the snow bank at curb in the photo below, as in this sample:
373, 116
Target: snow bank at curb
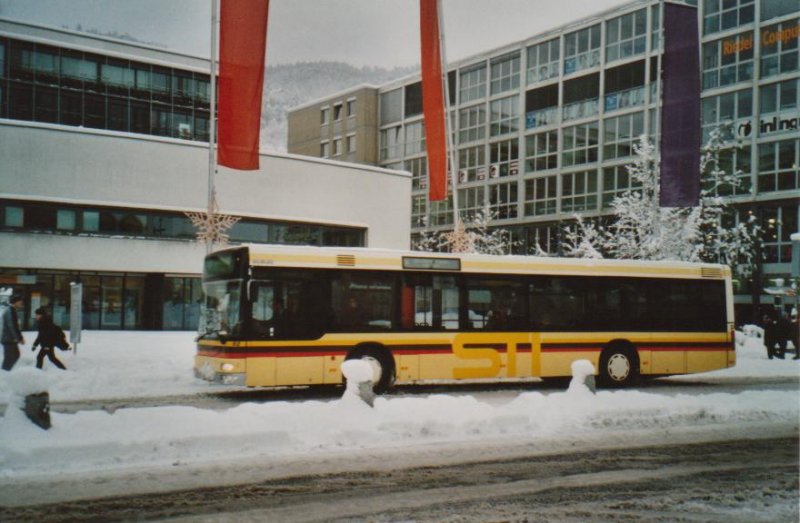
173, 436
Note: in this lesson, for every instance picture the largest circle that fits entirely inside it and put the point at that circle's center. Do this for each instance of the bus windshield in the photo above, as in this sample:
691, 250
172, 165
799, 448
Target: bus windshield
222, 313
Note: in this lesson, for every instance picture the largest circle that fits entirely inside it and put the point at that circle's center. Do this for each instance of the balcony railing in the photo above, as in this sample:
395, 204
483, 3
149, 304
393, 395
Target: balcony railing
627, 98
541, 117
580, 109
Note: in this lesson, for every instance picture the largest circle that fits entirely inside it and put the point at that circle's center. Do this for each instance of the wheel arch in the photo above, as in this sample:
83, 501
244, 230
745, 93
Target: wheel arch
627, 347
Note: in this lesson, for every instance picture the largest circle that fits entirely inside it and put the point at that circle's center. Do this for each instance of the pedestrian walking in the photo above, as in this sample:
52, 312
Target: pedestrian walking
770, 327
783, 333
50, 336
11, 336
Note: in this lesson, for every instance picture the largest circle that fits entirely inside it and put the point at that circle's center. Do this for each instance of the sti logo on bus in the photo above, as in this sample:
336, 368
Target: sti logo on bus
477, 348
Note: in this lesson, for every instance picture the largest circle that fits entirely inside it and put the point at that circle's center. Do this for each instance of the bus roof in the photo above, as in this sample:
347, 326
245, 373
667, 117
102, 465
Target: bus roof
265, 255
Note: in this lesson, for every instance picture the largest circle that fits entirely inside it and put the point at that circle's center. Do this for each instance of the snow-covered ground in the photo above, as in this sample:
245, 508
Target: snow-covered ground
301, 434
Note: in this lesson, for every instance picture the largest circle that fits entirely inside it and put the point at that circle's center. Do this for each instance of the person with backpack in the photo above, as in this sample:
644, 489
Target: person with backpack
50, 336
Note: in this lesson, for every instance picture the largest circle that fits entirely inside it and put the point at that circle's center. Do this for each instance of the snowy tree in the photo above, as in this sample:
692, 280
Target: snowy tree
641, 229
488, 239
581, 240
476, 237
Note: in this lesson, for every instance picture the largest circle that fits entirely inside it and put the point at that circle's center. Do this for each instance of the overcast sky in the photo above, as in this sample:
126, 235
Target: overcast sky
361, 32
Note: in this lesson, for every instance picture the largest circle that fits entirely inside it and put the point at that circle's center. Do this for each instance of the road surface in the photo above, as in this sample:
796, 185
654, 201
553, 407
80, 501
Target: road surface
733, 481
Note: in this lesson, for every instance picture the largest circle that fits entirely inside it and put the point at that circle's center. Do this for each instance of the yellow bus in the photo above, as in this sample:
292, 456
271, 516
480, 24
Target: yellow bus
287, 316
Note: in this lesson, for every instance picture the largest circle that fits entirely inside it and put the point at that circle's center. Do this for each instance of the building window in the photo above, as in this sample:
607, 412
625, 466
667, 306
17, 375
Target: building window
337, 146
579, 144
391, 106
503, 200
732, 107
391, 144
413, 94
624, 86
504, 74
541, 196
337, 112
418, 210
503, 159
778, 166
541, 107
324, 115
780, 52
581, 97
325, 149
472, 164
65, 220
14, 216
779, 223
582, 49
541, 151
351, 143
780, 97
616, 180
579, 191
504, 116
470, 201
733, 161
728, 61
441, 212
415, 138
655, 27
544, 61
626, 35
91, 221
473, 84
472, 124
774, 8
720, 15
351, 108
418, 167
619, 135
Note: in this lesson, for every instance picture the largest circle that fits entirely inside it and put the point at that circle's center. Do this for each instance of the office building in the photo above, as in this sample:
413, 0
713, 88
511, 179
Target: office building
544, 128
104, 148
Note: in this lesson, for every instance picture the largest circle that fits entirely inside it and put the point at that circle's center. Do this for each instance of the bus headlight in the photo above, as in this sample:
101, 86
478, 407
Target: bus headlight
227, 367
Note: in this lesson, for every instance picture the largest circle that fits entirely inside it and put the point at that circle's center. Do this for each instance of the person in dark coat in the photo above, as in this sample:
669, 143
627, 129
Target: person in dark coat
770, 327
783, 333
50, 336
10, 334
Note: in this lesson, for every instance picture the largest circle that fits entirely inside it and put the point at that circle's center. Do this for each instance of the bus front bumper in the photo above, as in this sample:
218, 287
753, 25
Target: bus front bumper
206, 372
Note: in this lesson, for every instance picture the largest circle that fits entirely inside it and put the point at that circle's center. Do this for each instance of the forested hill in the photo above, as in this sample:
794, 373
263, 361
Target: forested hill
290, 85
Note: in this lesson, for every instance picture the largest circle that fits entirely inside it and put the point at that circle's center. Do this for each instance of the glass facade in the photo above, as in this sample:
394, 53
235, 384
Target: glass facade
43, 83
571, 106
50, 218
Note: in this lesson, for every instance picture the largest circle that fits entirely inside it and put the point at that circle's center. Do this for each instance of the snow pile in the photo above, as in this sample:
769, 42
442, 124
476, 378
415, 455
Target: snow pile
359, 375
582, 378
170, 436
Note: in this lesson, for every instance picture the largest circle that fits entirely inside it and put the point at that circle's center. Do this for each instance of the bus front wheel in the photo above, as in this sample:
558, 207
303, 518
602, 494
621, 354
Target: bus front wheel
381, 362
619, 367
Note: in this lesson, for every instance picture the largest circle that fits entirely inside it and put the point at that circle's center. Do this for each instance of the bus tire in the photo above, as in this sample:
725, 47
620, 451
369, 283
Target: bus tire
381, 360
619, 366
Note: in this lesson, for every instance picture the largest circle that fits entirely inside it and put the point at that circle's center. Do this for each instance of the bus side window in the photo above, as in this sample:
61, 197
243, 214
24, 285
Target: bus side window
262, 294
433, 302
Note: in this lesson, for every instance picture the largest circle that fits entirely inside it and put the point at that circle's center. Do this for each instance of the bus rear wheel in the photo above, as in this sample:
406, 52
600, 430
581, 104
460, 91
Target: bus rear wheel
381, 362
619, 367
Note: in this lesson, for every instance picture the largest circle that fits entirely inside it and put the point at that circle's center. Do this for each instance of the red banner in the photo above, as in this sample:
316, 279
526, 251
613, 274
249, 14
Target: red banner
243, 44
433, 99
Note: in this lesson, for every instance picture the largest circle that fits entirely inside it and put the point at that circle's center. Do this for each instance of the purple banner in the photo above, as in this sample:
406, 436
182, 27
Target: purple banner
680, 113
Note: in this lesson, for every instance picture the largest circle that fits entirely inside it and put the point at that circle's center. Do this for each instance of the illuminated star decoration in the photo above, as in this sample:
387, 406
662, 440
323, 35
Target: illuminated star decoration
212, 227
460, 239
